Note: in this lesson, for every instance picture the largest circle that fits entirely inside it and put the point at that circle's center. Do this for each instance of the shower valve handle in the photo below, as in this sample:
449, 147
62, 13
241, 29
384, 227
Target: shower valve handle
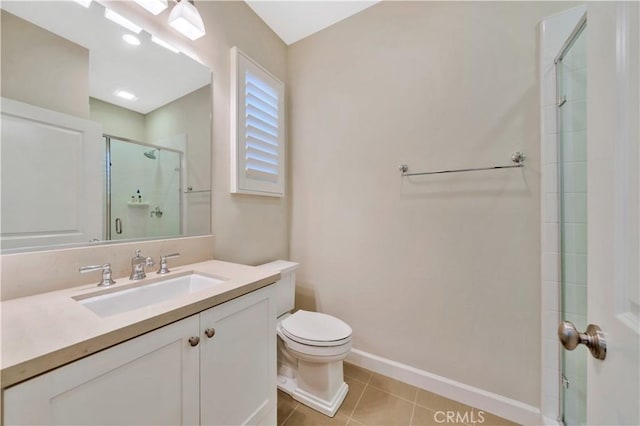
593, 339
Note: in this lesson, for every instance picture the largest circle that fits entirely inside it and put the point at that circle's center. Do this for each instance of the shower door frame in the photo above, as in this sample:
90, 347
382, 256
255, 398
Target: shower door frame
181, 198
578, 30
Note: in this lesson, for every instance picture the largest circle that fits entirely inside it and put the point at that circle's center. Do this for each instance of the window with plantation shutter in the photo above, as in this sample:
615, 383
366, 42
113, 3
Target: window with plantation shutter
257, 128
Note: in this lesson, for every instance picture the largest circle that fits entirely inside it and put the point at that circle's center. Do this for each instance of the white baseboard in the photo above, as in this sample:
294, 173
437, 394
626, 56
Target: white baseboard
507, 408
548, 421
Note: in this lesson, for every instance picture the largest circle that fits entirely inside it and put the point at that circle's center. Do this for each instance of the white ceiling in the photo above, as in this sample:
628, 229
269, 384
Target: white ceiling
295, 20
154, 74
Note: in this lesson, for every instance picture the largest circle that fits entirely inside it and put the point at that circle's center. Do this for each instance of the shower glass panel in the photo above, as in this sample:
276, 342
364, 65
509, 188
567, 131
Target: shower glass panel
144, 190
571, 73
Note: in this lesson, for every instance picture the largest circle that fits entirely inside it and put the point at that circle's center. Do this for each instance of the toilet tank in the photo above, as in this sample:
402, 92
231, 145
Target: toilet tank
286, 286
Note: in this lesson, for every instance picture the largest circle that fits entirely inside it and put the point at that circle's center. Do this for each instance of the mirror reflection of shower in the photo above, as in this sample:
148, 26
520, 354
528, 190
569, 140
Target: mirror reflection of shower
143, 198
152, 154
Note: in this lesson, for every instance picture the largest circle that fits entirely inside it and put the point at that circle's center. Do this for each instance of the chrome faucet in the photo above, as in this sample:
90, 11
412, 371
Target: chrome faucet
164, 266
138, 265
106, 273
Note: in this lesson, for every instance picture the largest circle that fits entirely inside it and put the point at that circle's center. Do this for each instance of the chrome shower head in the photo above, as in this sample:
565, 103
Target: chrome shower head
151, 154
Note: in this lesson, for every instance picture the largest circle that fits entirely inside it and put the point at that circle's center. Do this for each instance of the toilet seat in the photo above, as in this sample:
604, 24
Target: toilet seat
315, 329
314, 342
315, 353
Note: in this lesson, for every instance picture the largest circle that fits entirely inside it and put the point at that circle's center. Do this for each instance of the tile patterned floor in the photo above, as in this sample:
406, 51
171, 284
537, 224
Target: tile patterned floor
376, 400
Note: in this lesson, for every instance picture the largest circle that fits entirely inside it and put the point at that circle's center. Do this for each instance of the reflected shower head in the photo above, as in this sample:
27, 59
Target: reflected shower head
151, 154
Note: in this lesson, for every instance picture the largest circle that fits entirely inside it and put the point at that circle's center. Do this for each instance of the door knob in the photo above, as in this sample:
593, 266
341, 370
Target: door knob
193, 341
210, 332
593, 338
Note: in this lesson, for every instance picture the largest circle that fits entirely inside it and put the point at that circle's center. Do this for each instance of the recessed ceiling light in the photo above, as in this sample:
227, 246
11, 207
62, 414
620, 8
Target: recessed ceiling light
153, 6
185, 18
131, 39
125, 95
121, 20
164, 44
85, 3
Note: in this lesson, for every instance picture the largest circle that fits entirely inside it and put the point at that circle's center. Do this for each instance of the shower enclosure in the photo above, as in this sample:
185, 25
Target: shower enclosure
143, 190
571, 113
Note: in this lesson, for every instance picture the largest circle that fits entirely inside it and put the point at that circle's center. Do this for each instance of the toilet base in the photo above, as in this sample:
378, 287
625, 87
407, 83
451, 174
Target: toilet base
328, 408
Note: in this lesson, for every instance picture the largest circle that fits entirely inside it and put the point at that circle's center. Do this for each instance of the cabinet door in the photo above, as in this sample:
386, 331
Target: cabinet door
238, 363
151, 380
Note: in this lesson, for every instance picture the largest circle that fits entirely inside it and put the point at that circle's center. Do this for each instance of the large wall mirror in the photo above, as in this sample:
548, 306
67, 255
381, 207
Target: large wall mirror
106, 130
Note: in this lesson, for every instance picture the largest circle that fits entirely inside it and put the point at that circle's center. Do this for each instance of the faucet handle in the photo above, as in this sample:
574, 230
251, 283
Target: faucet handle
106, 273
164, 266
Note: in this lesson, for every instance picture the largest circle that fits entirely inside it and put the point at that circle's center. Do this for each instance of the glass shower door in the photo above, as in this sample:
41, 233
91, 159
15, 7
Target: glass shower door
571, 72
144, 190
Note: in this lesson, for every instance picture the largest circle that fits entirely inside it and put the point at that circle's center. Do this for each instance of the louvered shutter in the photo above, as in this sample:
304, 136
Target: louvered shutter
257, 145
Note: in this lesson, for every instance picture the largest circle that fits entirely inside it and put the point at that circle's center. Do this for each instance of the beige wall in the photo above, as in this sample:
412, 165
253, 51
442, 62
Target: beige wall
43, 69
248, 229
438, 272
118, 121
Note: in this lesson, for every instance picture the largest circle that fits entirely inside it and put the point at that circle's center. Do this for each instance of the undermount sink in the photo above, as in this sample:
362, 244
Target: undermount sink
129, 299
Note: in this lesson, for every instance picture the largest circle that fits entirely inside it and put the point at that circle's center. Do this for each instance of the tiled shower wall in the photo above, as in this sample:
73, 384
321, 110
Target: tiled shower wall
554, 31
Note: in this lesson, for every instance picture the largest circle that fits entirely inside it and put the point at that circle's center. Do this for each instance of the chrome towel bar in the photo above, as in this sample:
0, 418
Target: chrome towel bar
190, 190
517, 158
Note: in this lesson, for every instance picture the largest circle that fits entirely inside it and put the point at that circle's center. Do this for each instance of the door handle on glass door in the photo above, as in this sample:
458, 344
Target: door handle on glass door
593, 338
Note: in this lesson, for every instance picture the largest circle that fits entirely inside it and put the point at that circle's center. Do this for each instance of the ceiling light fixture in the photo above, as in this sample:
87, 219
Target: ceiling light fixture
125, 95
164, 44
85, 3
121, 20
185, 18
153, 6
131, 39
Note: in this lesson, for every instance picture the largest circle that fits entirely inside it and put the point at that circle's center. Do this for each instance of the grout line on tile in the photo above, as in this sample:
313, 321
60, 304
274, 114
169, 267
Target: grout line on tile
355, 407
291, 413
393, 394
357, 380
415, 403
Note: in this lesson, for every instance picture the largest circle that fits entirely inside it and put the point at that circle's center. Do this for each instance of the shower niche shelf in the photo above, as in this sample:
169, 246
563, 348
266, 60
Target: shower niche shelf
130, 204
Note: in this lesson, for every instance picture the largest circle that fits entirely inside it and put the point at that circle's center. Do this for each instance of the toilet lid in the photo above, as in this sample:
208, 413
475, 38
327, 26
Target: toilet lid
315, 327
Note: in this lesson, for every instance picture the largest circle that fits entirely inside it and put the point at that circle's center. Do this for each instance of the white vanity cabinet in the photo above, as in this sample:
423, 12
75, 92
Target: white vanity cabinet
152, 379
165, 377
238, 363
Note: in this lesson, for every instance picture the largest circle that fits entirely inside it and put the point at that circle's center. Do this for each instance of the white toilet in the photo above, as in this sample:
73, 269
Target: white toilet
311, 347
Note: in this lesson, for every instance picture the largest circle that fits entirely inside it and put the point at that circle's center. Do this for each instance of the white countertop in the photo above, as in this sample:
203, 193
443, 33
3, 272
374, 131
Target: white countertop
45, 331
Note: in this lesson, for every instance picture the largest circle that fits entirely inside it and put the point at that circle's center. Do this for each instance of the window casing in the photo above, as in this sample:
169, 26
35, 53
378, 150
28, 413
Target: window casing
257, 129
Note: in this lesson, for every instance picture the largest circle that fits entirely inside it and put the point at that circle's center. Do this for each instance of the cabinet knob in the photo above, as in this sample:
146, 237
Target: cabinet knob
210, 332
193, 341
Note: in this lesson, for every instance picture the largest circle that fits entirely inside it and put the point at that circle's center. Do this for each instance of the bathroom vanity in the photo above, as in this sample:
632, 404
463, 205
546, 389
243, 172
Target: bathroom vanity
208, 357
